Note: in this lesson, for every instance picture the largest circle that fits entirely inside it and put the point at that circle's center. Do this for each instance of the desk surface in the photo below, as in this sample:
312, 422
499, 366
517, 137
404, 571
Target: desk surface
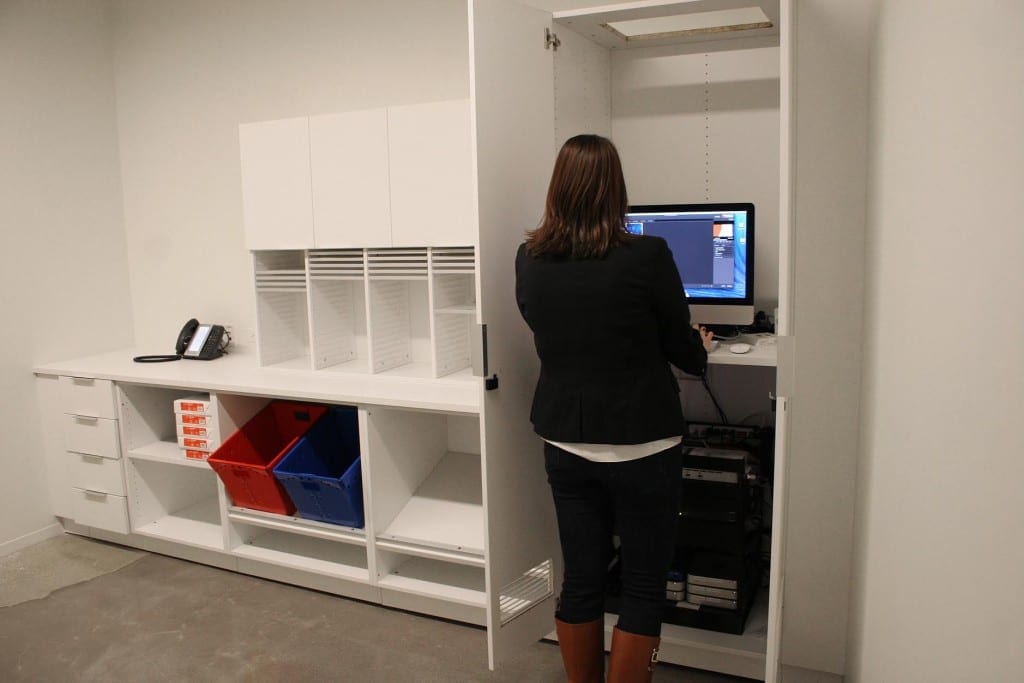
242, 374
763, 352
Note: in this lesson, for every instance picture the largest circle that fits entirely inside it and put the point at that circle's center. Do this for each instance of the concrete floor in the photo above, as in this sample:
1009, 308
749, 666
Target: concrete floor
74, 609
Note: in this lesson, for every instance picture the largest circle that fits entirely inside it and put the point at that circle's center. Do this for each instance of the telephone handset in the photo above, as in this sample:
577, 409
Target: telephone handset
196, 341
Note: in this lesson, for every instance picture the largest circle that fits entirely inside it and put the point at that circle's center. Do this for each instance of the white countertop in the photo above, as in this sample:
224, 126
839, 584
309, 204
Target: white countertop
242, 374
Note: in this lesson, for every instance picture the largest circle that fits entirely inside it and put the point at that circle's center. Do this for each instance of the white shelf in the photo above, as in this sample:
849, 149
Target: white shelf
308, 554
167, 452
298, 525
453, 583
197, 525
467, 309
763, 352
446, 511
592, 22
296, 363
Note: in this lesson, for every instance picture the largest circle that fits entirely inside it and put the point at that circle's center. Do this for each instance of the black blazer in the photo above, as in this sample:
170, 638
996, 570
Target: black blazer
605, 331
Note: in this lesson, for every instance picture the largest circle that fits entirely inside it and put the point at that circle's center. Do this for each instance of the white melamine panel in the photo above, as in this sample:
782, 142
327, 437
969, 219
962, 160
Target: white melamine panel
297, 551
240, 373
282, 310
433, 198
583, 88
234, 411
100, 510
666, 22
446, 510
351, 188
283, 322
390, 325
50, 397
95, 473
432, 579
513, 92
401, 449
337, 309
148, 418
92, 435
180, 504
87, 396
298, 525
276, 189
337, 321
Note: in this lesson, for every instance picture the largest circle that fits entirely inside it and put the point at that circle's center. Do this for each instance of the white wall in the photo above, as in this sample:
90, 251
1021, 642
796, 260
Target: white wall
64, 280
939, 558
704, 127
188, 72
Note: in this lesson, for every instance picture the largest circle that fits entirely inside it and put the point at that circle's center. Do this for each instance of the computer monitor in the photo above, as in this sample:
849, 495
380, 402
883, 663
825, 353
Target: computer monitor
713, 247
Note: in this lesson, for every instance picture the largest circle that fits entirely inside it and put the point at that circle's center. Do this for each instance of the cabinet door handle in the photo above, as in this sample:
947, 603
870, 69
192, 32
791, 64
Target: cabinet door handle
83, 381
95, 494
86, 419
91, 458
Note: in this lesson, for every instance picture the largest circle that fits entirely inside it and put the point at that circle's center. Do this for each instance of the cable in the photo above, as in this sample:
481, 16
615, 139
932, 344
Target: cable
166, 358
707, 387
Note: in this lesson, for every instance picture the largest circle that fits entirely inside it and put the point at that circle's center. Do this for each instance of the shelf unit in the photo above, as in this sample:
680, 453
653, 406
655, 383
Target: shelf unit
425, 472
514, 83
282, 318
407, 312
337, 309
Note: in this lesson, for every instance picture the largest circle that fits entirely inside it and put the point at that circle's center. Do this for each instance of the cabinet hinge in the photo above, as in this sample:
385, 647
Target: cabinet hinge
551, 41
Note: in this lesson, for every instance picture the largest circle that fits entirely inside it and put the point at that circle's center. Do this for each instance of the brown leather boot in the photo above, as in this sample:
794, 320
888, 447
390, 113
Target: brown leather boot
632, 658
582, 647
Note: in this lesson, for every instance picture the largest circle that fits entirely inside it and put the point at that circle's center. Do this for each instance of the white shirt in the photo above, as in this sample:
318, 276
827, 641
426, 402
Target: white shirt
603, 452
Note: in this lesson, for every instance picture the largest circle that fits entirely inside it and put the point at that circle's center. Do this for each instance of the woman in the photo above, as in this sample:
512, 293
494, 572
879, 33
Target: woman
608, 315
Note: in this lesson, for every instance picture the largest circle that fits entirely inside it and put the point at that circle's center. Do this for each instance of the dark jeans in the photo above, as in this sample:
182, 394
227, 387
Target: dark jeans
638, 501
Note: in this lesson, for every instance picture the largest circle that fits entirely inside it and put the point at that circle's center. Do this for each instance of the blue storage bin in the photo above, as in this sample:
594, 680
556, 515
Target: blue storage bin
321, 473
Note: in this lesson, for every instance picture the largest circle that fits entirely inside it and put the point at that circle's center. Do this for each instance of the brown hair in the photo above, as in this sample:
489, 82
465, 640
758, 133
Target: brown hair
585, 212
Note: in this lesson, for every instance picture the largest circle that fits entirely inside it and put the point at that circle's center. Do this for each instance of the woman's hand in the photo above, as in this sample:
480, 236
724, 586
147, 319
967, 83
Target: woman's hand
706, 336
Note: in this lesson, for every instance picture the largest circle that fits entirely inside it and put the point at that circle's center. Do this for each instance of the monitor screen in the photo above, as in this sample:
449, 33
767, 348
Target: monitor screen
713, 247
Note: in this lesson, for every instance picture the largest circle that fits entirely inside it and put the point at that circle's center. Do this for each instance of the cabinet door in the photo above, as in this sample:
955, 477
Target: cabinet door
514, 101
276, 191
432, 183
349, 161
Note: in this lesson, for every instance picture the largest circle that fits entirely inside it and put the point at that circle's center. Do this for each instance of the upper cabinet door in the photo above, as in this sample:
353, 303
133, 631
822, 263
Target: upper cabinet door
433, 189
276, 191
513, 98
349, 160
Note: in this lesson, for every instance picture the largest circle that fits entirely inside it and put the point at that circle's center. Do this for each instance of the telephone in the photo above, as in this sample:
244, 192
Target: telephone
196, 341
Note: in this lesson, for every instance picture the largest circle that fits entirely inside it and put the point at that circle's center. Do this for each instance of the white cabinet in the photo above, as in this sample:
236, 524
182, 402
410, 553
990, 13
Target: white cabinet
86, 474
398, 176
351, 217
350, 176
433, 188
277, 197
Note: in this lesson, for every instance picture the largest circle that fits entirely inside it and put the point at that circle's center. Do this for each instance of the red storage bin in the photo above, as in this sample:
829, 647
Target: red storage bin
245, 462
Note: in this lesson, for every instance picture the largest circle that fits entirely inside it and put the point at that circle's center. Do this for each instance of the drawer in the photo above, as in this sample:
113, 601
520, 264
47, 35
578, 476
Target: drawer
96, 473
92, 435
101, 510
85, 396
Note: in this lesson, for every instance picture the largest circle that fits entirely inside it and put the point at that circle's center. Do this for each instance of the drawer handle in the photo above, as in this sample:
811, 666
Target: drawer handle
91, 458
83, 381
95, 494
86, 419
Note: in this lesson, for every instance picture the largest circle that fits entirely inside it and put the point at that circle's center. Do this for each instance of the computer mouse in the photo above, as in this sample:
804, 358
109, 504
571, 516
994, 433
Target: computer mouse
740, 347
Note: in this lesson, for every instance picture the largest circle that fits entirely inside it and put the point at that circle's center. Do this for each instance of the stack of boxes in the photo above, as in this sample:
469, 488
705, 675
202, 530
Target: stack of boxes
198, 432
